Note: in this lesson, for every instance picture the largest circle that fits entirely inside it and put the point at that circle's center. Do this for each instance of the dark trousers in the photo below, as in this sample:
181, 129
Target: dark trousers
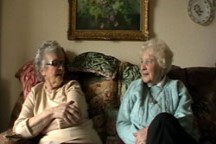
165, 129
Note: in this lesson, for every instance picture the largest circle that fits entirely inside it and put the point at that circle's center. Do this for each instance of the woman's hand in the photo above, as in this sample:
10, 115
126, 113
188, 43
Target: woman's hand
67, 112
141, 136
63, 116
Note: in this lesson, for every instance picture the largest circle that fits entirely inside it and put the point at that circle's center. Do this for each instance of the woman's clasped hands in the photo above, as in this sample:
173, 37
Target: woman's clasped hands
67, 114
141, 136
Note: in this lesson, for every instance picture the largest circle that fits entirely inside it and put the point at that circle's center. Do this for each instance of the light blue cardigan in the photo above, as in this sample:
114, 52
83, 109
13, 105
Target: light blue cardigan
141, 104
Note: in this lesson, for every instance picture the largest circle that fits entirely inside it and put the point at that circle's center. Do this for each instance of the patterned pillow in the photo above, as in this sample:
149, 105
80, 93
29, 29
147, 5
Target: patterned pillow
101, 96
27, 77
127, 73
97, 63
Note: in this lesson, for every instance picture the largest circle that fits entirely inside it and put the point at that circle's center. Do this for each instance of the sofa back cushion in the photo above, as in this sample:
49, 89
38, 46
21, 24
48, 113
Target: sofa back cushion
201, 83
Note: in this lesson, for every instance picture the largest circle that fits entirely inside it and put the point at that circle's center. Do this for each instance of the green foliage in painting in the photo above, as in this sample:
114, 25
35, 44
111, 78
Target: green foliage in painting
108, 14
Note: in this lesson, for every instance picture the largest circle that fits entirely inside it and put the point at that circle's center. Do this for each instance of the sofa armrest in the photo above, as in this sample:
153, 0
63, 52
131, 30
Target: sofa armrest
8, 137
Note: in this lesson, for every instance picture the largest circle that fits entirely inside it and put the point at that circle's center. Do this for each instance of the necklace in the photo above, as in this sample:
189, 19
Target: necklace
154, 93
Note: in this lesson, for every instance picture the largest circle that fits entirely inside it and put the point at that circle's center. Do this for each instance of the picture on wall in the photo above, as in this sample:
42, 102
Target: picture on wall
108, 20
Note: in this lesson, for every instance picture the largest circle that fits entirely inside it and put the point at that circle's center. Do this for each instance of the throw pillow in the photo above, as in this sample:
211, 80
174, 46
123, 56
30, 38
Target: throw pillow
27, 77
97, 63
127, 73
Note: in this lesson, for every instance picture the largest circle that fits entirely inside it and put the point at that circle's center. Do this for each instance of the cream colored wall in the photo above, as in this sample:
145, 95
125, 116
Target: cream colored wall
25, 24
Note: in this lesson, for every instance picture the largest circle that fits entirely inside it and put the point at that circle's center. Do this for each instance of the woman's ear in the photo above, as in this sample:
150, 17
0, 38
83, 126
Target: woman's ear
42, 72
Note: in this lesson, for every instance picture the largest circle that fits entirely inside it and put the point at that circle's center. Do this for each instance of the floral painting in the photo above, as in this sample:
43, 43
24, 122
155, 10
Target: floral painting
108, 14
108, 20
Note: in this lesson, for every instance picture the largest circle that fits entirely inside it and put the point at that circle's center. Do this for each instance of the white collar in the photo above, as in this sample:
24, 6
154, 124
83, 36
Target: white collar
160, 83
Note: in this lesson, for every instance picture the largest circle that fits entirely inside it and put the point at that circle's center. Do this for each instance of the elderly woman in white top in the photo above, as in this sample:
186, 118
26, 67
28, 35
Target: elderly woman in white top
156, 109
55, 109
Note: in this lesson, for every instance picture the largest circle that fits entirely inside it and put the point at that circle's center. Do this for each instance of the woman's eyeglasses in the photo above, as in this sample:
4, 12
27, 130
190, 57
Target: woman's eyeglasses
56, 63
147, 61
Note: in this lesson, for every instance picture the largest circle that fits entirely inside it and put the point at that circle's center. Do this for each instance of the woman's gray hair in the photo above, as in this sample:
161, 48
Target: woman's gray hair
46, 47
161, 52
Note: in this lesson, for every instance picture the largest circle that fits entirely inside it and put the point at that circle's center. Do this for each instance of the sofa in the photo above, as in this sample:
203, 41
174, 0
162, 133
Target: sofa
104, 80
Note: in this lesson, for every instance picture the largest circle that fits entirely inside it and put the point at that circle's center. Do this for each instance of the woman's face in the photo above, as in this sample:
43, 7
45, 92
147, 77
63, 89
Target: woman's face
53, 72
150, 71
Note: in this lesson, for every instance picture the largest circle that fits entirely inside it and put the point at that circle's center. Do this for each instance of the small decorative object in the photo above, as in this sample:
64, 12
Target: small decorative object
201, 11
108, 20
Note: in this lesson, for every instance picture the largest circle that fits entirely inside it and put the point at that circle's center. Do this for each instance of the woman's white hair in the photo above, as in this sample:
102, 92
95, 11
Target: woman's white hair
46, 47
161, 52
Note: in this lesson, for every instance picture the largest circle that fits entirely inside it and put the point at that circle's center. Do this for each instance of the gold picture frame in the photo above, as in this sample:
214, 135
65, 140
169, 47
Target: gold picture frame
103, 20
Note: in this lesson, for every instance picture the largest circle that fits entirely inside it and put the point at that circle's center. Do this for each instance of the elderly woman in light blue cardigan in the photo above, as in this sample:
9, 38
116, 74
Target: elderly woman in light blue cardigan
156, 109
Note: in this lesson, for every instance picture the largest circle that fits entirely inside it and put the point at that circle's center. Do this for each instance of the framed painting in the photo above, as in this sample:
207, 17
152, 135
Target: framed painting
108, 20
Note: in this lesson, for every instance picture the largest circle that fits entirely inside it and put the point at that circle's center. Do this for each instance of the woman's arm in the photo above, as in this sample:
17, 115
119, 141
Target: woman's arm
183, 109
125, 127
64, 117
29, 125
74, 93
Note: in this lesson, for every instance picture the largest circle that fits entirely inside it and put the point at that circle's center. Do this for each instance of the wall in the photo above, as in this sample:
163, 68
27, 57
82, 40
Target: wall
25, 24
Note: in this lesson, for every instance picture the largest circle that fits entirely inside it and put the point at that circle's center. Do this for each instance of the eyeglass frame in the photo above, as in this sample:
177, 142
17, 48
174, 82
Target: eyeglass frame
56, 63
147, 62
